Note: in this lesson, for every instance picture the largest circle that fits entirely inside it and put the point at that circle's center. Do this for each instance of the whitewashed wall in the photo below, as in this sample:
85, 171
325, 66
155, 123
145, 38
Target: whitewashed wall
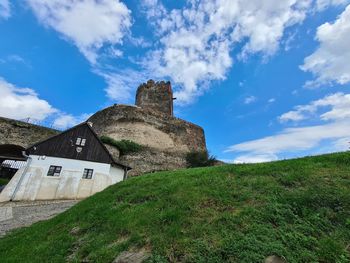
36, 185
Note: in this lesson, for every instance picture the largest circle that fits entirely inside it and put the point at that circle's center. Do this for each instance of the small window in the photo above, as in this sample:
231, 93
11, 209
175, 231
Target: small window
78, 141
88, 173
54, 170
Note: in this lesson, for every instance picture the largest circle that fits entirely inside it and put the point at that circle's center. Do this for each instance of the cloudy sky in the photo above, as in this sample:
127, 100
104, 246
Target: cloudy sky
266, 79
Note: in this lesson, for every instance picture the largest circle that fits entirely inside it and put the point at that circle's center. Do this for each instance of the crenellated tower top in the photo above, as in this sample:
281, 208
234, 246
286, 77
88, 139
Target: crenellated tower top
155, 95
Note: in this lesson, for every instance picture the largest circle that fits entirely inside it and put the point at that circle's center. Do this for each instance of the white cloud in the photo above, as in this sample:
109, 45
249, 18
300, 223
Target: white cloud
89, 24
272, 100
116, 52
292, 116
21, 103
250, 100
196, 42
323, 4
139, 42
341, 144
339, 104
15, 59
295, 139
25, 104
5, 10
255, 158
330, 62
64, 120
96, 27
335, 131
122, 84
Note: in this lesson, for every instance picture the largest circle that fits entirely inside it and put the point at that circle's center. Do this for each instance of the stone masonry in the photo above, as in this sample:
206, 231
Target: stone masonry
155, 95
151, 123
22, 133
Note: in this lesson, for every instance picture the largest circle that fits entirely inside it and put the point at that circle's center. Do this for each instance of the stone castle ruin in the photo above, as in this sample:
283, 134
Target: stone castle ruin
155, 95
150, 123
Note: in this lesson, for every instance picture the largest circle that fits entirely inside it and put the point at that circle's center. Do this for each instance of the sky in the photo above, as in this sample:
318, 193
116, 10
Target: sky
266, 79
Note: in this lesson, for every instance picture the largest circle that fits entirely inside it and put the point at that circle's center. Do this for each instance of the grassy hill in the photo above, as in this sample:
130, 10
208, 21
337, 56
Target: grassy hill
298, 209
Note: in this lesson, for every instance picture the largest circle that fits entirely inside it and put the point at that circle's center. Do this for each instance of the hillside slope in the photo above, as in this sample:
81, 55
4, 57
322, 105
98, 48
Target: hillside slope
298, 209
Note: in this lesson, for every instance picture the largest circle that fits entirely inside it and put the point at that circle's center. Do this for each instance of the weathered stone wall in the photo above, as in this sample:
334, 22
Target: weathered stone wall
157, 96
149, 128
152, 160
22, 133
167, 139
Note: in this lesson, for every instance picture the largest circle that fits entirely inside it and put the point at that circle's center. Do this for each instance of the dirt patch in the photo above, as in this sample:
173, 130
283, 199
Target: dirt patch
27, 213
132, 256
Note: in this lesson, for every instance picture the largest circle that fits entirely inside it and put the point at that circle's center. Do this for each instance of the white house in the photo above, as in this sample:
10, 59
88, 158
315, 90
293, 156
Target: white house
71, 165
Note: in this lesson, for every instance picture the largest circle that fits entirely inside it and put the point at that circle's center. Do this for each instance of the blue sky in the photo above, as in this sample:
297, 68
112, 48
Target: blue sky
266, 80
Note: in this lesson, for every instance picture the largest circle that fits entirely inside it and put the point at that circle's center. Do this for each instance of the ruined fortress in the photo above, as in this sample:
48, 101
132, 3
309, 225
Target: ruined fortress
150, 123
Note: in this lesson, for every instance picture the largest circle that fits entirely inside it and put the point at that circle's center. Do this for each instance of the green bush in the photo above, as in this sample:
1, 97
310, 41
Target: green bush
3, 181
200, 159
124, 146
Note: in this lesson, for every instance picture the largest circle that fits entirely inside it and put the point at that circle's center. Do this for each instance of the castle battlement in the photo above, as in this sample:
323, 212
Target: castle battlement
156, 96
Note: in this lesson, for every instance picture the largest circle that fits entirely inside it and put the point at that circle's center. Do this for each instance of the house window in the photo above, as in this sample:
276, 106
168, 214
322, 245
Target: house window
80, 141
88, 173
54, 170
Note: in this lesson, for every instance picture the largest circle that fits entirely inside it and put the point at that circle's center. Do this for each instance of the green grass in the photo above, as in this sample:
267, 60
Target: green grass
4, 181
298, 209
124, 146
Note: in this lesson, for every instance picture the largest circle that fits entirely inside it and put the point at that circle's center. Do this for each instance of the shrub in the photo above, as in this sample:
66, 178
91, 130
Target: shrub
3, 181
124, 146
200, 159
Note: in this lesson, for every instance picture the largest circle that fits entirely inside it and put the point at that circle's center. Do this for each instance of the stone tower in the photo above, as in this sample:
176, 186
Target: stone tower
156, 96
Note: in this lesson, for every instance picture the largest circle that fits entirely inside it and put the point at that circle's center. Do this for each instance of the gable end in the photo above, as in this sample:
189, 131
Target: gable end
64, 145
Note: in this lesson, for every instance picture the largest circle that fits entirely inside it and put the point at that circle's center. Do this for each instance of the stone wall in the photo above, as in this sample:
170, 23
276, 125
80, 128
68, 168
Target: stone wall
155, 95
149, 128
166, 139
151, 160
22, 133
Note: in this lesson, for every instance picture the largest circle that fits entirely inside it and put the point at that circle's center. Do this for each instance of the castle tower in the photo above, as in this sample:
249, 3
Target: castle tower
155, 95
